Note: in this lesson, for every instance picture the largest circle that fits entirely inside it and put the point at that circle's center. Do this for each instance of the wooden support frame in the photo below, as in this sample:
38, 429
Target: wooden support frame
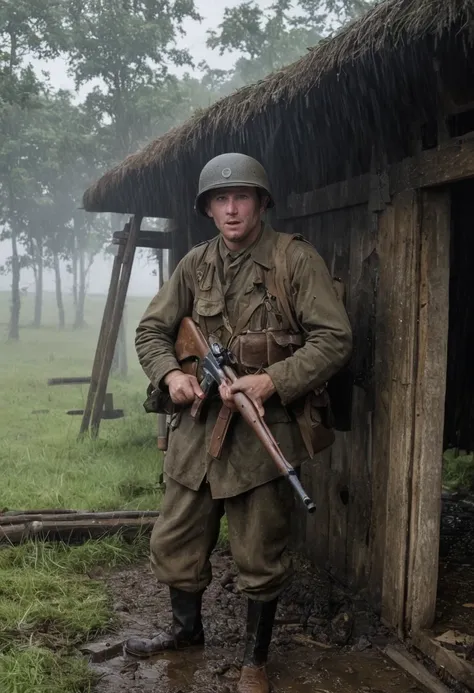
110, 327
104, 327
115, 320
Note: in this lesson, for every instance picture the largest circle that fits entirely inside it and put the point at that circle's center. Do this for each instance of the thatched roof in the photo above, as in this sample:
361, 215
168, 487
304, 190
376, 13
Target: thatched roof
317, 120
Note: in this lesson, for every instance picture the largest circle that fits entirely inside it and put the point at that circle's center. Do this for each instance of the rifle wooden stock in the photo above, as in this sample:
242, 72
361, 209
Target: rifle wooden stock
191, 345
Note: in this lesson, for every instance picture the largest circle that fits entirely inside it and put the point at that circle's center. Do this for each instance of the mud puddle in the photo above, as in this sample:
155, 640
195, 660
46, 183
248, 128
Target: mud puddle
322, 641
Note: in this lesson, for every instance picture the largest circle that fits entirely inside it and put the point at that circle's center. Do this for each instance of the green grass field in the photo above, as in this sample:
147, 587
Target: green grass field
48, 604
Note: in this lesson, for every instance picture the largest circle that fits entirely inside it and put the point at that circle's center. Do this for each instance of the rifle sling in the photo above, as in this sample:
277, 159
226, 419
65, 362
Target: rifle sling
219, 431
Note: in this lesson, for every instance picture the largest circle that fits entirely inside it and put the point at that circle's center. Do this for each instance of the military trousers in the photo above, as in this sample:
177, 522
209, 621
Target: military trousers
258, 522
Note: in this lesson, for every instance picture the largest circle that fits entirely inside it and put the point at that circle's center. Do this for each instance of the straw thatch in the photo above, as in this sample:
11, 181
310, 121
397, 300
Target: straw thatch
318, 120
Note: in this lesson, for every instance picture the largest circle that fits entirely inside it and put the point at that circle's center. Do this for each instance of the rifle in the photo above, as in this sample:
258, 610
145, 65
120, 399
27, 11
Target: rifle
217, 367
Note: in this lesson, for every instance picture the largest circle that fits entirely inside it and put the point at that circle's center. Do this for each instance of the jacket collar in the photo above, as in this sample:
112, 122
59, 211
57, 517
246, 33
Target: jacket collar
261, 253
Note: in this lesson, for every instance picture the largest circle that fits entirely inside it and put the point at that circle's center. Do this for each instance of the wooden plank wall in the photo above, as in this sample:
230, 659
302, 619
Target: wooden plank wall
338, 535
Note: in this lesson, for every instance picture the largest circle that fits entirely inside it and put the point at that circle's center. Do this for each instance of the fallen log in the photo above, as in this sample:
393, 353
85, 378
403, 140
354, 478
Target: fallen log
74, 530
49, 511
75, 516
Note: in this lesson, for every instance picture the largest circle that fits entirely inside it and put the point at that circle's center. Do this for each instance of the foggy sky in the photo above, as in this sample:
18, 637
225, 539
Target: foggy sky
142, 282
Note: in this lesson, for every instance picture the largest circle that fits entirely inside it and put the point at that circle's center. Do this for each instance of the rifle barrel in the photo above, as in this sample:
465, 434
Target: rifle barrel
250, 414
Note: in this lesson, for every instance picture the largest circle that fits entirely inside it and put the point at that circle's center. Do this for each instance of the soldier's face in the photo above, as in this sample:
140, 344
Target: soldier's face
237, 213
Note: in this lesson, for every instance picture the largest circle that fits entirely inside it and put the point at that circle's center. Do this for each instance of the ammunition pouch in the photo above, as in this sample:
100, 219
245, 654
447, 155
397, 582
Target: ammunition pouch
157, 401
314, 417
257, 350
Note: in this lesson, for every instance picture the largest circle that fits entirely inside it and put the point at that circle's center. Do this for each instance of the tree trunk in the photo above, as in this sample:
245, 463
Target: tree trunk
79, 321
14, 327
74, 271
59, 291
39, 283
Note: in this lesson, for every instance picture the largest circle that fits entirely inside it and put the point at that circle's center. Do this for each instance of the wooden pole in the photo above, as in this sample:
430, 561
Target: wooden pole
162, 419
115, 320
104, 328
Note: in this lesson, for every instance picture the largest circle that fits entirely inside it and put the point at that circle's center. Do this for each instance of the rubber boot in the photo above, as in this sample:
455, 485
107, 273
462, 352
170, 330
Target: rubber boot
260, 619
186, 631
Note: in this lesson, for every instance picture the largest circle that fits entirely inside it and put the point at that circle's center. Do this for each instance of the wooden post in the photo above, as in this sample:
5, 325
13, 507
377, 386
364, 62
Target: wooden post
422, 578
116, 317
398, 247
104, 329
120, 354
162, 419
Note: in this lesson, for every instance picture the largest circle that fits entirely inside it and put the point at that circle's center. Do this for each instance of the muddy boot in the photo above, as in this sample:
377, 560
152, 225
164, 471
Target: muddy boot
186, 630
260, 618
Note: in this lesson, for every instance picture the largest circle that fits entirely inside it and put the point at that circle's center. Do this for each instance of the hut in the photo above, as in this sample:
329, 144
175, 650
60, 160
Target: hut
369, 143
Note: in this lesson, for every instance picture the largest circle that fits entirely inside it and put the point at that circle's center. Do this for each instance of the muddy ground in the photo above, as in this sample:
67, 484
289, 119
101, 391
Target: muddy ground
323, 642
455, 603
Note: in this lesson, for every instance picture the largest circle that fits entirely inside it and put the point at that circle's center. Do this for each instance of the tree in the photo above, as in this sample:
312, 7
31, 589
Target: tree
271, 38
71, 155
126, 45
26, 27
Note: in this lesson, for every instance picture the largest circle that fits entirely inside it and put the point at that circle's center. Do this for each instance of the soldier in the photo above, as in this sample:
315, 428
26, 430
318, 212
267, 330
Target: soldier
270, 299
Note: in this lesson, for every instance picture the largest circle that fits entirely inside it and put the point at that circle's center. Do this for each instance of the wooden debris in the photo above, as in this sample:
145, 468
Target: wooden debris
458, 668
69, 381
75, 515
74, 526
306, 640
454, 638
400, 656
49, 511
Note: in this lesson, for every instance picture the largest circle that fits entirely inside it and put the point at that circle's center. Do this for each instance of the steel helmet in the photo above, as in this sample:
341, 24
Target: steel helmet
231, 170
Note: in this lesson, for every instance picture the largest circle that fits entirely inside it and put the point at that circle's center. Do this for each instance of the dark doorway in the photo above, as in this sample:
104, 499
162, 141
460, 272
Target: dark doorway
455, 604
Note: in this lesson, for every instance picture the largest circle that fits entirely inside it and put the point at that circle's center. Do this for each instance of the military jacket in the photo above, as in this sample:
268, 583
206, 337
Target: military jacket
217, 294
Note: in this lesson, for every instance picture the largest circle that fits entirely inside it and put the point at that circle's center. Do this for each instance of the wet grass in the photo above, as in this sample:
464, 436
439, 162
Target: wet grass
49, 603
49, 599
39, 670
41, 462
458, 470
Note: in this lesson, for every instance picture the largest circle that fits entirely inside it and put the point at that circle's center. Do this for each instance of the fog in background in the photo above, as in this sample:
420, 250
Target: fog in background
143, 282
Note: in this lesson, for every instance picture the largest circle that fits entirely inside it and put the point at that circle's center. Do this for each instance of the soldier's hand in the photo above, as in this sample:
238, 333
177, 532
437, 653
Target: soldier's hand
183, 388
257, 387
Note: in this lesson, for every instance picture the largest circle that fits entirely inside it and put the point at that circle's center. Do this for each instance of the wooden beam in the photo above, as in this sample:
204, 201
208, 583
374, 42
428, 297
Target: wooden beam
75, 530
72, 516
399, 654
348, 193
450, 162
422, 578
115, 319
146, 239
399, 261
458, 668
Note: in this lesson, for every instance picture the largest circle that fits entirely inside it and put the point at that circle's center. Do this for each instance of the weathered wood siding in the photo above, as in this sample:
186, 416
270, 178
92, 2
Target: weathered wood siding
339, 534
